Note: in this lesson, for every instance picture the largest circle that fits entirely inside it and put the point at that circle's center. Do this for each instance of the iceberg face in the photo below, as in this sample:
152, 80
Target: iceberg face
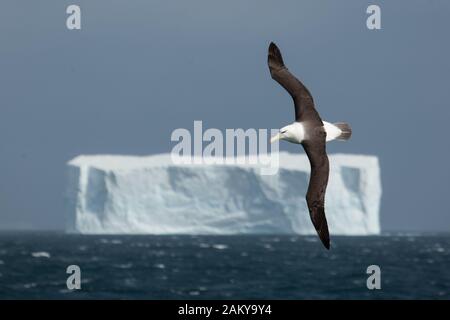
151, 195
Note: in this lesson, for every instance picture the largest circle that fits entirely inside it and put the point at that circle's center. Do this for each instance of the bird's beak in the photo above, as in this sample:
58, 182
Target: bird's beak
276, 137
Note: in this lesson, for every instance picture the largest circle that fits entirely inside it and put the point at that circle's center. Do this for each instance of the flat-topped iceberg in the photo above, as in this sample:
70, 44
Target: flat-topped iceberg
110, 194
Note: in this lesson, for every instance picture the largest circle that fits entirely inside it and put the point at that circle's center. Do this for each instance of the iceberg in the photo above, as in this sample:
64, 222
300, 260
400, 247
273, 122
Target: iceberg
112, 194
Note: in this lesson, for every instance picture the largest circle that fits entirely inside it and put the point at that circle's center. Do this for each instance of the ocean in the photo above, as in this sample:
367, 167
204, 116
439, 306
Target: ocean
33, 265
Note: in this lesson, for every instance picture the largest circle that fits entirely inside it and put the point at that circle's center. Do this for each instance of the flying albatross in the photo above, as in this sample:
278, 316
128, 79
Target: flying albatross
312, 133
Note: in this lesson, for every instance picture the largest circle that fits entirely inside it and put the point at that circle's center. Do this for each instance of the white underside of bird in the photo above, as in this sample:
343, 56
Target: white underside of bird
295, 132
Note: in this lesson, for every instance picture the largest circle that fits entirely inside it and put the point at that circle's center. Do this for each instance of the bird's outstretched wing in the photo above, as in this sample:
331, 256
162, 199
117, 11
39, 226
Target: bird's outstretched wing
315, 197
303, 101
314, 144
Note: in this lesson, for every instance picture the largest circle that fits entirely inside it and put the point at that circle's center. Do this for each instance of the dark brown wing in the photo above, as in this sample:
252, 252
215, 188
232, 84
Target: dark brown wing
303, 101
315, 197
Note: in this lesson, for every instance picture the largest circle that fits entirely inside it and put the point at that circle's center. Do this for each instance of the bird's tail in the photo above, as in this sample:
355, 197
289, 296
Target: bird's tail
346, 131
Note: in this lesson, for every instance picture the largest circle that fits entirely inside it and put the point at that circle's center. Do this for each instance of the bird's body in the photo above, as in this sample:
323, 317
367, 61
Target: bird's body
312, 133
295, 132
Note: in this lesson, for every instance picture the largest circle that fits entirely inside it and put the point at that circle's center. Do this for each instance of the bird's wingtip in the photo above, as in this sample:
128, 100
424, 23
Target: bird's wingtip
272, 46
274, 58
325, 239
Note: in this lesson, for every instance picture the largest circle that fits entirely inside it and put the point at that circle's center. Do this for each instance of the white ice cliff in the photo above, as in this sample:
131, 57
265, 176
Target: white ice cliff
150, 195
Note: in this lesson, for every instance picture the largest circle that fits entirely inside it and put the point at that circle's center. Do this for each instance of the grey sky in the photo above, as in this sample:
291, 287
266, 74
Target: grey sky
139, 69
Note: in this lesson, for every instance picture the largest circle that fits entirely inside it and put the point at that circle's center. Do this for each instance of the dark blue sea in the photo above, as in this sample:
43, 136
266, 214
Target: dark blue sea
33, 266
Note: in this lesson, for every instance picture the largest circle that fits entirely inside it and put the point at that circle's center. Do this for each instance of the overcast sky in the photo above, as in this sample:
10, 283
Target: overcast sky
139, 69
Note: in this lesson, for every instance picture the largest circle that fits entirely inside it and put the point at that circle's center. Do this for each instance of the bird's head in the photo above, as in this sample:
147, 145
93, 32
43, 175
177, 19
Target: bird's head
292, 133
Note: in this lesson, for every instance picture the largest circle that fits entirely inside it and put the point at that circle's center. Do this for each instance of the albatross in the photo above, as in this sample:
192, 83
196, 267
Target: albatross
312, 133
